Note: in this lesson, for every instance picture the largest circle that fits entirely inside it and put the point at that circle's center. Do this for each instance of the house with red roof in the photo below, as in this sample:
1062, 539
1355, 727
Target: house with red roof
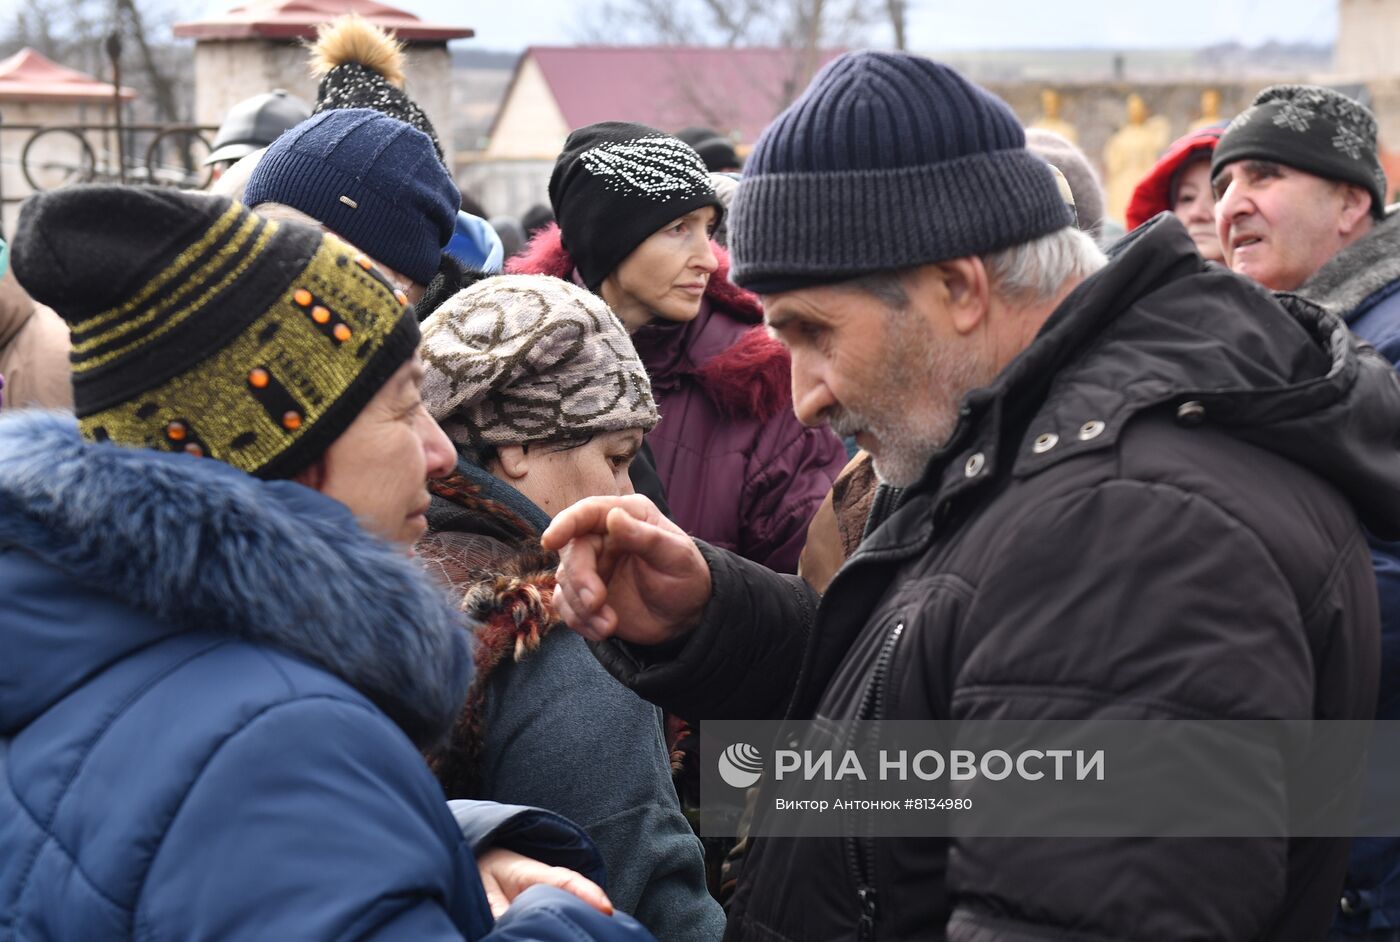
736, 91
555, 89
37, 92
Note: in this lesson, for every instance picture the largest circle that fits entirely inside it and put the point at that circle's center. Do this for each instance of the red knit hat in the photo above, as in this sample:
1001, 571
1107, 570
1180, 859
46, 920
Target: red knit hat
1153, 194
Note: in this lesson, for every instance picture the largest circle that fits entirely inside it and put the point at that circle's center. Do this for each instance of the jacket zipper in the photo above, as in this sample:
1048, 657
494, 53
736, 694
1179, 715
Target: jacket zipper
860, 849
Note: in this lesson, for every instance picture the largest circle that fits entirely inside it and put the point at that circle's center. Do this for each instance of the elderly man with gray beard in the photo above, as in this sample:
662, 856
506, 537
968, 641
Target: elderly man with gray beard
1111, 490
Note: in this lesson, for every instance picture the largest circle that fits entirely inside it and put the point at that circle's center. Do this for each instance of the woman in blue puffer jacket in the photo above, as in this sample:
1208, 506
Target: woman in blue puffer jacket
217, 674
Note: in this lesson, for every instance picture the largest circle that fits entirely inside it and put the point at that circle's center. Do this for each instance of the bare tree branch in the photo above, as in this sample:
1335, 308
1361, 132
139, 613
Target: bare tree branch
899, 22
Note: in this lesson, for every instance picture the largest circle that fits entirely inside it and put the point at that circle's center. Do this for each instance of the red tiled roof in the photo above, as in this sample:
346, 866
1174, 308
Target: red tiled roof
298, 19
28, 76
735, 91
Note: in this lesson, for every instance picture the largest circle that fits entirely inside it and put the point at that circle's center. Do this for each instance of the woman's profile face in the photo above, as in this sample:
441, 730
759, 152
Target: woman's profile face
1194, 205
555, 477
666, 275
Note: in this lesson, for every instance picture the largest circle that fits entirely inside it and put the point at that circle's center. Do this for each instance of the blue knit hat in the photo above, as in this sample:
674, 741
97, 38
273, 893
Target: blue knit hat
887, 161
369, 178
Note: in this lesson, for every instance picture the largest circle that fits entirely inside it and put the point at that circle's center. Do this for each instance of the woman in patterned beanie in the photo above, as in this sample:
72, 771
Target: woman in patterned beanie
636, 210
538, 386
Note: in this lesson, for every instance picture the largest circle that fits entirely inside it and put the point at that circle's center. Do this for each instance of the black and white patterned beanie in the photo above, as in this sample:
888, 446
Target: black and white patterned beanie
516, 359
1309, 128
615, 184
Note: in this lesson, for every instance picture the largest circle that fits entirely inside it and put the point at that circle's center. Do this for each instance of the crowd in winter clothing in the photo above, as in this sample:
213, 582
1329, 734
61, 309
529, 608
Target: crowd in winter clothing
369, 568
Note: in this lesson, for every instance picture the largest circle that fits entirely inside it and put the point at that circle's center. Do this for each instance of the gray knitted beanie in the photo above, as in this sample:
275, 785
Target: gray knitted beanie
887, 161
515, 359
1083, 182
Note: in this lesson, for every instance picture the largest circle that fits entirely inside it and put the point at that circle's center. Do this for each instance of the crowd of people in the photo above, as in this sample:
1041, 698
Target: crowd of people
368, 565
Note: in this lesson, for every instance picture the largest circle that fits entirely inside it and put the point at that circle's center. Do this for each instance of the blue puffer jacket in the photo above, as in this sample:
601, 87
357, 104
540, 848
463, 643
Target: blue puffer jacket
211, 693
1361, 284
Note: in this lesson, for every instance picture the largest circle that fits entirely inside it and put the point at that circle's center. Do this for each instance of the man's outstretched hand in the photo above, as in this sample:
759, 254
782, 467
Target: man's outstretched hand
626, 571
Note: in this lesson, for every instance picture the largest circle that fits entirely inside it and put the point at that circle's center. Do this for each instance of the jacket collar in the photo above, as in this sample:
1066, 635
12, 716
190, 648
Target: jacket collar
199, 546
1359, 271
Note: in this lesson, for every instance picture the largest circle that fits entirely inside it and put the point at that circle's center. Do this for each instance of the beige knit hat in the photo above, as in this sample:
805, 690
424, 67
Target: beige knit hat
515, 359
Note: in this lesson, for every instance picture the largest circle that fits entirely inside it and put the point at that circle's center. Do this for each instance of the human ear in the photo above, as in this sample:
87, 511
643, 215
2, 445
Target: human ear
514, 462
1356, 208
968, 290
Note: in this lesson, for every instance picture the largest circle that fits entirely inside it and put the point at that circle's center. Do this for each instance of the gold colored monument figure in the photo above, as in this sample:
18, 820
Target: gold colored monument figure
1050, 119
1210, 110
1130, 154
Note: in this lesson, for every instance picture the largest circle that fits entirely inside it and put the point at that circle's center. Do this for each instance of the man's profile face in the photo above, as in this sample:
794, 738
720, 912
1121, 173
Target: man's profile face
893, 378
1277, 225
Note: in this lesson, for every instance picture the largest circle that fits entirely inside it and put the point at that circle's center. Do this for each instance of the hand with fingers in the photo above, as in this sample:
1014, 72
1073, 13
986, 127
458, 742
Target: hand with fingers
506, 874
626, 571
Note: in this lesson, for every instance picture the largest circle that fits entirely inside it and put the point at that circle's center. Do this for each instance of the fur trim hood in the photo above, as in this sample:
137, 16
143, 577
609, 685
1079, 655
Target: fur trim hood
200, 546
749, 379
1358, 271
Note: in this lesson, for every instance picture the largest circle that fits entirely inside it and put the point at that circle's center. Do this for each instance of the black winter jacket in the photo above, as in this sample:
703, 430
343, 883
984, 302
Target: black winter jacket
1151, 513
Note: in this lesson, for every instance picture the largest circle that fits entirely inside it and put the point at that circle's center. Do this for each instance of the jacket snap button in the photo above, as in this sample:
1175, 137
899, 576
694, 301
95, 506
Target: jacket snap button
1091, 430
1347, 906
1045, 442
1191, 413
974, 465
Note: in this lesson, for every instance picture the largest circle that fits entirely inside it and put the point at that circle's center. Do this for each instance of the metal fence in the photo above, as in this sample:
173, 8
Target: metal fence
44, 157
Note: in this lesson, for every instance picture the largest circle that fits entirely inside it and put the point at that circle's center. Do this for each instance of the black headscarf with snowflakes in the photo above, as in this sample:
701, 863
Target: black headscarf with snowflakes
1310, 128
615, 184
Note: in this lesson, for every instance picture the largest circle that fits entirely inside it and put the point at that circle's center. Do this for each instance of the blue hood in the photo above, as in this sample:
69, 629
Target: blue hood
105, 549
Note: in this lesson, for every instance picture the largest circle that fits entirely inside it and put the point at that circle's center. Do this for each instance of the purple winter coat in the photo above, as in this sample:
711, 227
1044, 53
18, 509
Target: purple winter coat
740, 471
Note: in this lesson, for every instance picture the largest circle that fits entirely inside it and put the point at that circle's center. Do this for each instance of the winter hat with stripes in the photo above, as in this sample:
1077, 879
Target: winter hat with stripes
886, 161
200, 327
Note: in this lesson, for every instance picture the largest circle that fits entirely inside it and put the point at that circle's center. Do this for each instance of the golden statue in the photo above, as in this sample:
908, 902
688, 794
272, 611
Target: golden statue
1050, 119
1210, 110
1130, 153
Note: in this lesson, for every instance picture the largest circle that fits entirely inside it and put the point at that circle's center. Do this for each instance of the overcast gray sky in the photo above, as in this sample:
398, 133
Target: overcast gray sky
957, 24
934, 24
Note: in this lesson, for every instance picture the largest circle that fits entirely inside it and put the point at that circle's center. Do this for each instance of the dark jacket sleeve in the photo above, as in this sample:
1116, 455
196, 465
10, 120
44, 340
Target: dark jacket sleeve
1130, 600
741, 662
563, 735
547, 914
534, 832
789, 474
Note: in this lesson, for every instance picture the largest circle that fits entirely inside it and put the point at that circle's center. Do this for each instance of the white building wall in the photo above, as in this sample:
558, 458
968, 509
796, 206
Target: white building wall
530, 125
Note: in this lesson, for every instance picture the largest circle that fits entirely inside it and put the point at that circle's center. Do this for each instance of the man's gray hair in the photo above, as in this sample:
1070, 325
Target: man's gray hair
1032, 272
1036, 271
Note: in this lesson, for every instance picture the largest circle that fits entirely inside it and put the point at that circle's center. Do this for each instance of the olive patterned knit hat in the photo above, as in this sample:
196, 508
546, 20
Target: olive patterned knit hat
200, 327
